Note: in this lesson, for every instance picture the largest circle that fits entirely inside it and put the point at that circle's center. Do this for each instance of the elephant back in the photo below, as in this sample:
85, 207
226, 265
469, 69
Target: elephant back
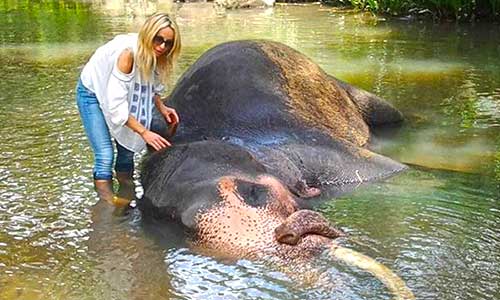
251, 89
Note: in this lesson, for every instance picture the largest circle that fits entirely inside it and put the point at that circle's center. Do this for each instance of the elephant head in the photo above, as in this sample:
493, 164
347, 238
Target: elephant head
231, 206
258, 217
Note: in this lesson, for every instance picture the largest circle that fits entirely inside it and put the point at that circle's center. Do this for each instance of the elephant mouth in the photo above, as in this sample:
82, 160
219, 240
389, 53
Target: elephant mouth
304, 222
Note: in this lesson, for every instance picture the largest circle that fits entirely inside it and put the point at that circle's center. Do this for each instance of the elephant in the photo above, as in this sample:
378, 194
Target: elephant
266, 134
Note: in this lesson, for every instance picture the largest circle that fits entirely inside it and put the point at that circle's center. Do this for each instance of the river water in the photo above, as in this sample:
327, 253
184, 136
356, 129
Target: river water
437, 225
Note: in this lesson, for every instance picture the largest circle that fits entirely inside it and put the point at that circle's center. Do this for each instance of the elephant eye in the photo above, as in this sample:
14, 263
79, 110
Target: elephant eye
253, 194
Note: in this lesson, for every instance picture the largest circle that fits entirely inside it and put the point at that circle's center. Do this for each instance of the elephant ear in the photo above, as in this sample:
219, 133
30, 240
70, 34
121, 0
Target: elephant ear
375, 111
338, 168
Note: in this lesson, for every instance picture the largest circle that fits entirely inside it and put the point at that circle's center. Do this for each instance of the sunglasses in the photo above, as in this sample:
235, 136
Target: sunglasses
158, 40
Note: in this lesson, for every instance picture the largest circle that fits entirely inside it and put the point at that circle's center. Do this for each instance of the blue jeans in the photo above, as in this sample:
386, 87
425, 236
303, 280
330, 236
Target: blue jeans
100, 139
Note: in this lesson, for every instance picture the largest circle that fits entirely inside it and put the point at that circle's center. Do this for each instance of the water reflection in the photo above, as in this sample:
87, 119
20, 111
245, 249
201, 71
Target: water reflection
201, 277
126, 264
437, 229
448, 223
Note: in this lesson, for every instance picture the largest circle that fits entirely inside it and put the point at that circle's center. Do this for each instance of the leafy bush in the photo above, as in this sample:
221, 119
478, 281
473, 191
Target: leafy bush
440, 9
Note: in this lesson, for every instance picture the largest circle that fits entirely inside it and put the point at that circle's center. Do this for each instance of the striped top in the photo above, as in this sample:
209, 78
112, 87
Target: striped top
119, 94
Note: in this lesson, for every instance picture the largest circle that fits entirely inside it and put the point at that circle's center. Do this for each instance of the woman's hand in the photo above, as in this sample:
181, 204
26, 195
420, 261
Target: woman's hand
155, 140
170, 115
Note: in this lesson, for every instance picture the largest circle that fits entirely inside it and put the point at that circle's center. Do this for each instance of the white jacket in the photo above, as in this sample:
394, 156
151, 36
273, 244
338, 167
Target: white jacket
119, 94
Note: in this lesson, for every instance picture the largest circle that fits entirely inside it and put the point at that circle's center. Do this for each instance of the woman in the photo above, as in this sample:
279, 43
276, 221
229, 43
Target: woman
115, 95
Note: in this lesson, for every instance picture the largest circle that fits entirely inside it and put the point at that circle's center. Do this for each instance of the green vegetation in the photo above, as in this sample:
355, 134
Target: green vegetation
49, 21
437, 9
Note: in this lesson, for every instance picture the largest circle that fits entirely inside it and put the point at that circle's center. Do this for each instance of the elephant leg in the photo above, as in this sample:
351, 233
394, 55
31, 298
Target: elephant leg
375, 111
305, 222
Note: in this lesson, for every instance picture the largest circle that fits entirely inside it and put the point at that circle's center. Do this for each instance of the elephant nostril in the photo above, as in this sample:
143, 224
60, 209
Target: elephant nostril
286, 235
290, 239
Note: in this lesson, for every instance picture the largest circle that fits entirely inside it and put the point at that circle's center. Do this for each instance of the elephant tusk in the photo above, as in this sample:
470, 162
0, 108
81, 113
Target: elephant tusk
392, 281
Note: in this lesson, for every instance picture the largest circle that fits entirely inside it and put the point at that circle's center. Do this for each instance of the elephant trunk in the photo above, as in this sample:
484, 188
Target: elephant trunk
392, 281
304, 222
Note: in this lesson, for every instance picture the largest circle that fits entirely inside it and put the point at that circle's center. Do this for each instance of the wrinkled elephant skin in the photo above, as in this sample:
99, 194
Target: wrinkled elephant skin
264, 133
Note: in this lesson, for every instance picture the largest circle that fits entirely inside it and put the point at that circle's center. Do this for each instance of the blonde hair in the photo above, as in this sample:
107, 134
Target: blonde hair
146, 60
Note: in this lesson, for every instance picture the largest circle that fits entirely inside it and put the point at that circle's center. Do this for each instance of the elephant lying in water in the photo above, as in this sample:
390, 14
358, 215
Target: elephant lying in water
264, 131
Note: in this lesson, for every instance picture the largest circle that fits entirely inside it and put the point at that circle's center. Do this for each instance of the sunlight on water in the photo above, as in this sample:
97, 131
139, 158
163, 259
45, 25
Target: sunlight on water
437, 229
422, 70
440, 149
56, 53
